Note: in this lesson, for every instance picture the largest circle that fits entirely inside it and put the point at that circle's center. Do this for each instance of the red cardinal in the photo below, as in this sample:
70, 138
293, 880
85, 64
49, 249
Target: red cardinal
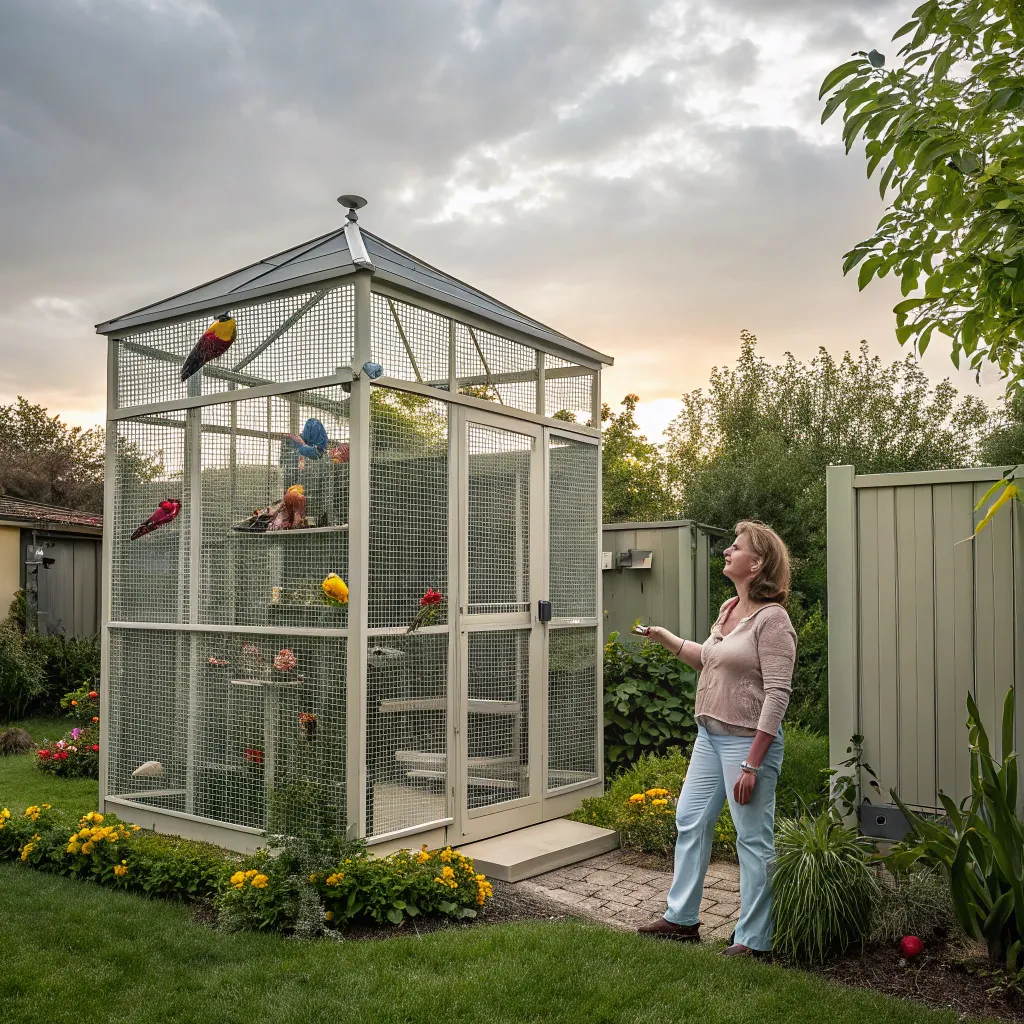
215, 342
165, 512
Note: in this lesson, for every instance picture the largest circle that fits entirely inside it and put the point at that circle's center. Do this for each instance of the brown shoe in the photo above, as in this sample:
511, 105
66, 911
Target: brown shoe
667, 930
739, 950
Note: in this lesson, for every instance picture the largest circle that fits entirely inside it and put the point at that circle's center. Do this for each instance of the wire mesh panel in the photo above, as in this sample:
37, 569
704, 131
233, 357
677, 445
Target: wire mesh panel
495, 369
498, 716
409, 342
242, 729
406, 732
288, 338
572, 706
408, 533
148, 672
149, 575
568, 391
270, 730
266, 545
498, 552
573, 524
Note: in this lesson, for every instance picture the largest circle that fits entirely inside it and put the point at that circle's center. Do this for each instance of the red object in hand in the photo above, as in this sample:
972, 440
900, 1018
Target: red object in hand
911, 947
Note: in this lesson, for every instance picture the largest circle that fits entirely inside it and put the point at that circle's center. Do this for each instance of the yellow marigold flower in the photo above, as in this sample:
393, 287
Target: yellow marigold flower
447, 872
638, 798
5, 813
329, 916
422, 857
313, 877
93, 816
34, 809
658, 803
26, 850
120, 870
73, 847
87, 848
251, 873
45, 807
236, 878
446, 855
260, 882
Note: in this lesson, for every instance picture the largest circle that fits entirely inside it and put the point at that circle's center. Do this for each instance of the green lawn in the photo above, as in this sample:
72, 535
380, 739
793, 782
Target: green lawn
22, 783
71, 951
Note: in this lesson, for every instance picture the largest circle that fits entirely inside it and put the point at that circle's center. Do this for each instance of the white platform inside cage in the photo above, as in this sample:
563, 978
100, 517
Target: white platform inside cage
532, 851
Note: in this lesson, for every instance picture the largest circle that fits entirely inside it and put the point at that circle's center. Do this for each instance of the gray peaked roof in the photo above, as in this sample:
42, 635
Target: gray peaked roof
329, 257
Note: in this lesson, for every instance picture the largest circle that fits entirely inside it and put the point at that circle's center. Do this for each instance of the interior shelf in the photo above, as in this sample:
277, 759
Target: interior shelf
477, 781
296, 681
342, 528
438, 760
475, 706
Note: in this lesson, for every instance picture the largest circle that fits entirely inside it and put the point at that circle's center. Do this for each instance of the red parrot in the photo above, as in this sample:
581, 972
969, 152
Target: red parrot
167, 510
291, 514
215, 342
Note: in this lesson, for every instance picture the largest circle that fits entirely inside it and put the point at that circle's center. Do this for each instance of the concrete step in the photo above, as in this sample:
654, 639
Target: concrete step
539, 848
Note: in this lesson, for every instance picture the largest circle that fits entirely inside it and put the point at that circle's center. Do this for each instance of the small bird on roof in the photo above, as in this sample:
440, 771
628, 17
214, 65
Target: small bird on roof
312, 442
215, 342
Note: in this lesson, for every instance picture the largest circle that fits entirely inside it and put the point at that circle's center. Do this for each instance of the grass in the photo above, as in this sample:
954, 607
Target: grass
68, 948
22, 783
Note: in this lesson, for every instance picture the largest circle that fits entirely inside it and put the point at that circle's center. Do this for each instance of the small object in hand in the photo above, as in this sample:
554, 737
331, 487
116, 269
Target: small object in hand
639, 630
911, 947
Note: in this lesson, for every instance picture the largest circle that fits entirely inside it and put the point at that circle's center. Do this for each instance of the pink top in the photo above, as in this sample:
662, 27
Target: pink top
747, 677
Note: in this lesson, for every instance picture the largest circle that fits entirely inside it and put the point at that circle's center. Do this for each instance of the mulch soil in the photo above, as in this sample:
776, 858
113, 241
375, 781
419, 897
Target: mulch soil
945, 978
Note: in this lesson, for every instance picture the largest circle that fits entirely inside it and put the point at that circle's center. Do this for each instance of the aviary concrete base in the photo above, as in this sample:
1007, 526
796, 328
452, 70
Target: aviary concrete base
540, 848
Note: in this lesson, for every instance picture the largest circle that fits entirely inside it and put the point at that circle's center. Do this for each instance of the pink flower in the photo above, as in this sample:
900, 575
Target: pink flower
285, 660
75, 733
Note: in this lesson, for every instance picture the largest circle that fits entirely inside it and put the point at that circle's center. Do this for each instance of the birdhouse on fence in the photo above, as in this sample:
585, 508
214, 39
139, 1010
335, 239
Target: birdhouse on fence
342, 487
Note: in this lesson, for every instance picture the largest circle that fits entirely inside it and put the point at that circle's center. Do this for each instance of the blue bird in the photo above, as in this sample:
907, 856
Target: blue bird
372, 370
312, 442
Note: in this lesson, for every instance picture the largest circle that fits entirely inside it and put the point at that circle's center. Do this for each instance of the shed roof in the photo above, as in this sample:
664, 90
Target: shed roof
32, 513
329, 257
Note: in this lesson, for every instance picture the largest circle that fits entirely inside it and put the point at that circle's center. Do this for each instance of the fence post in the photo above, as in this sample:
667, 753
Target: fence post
843, 678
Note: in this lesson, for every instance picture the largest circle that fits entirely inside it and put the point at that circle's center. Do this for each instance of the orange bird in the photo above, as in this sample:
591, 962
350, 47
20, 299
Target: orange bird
215, 342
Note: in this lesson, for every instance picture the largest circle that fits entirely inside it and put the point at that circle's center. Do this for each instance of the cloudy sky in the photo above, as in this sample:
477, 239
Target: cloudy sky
647, 176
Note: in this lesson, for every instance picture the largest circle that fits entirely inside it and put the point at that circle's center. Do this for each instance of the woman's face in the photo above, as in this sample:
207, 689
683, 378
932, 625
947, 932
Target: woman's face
741, 564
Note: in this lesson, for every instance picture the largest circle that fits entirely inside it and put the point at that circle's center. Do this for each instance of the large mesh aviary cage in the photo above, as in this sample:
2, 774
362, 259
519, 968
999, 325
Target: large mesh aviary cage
377, 427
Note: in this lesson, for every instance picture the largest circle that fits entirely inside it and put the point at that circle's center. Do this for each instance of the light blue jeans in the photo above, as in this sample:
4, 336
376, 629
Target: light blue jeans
714, 767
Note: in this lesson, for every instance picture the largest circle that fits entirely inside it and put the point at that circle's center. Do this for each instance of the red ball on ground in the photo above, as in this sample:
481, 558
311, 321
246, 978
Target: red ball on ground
911, 946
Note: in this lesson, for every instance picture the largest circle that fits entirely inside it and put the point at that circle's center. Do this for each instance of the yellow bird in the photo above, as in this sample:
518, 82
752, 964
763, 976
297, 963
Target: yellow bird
335, 589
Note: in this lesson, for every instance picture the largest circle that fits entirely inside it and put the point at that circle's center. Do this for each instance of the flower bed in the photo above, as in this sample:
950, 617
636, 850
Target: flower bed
262, 892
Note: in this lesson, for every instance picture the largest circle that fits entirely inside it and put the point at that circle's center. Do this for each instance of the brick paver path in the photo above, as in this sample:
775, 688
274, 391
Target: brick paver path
624, 895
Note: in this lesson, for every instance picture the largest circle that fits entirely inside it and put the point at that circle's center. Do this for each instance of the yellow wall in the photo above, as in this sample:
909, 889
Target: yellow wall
10, 565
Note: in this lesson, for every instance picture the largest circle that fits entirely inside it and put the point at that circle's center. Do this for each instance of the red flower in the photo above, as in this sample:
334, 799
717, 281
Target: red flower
253, 755
431, 597
61, 755
93, 695
44, 753
96, 748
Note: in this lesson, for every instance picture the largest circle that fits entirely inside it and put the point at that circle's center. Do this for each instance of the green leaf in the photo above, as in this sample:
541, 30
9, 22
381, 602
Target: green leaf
395, 915
834, 77
908, 304
877, 59
868, 270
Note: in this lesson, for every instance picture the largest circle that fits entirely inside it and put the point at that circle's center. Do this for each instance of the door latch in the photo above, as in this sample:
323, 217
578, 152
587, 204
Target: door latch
544, 611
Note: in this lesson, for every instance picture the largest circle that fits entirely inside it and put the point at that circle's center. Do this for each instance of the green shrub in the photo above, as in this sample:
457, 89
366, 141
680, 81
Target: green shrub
22, 680
913, 903
644, 828
808, 704
404, 884
75, 756
803, 782
648, 701
823, 888
67, 662
982, 850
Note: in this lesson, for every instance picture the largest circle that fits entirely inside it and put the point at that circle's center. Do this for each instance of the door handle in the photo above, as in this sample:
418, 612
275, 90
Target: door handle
544, 611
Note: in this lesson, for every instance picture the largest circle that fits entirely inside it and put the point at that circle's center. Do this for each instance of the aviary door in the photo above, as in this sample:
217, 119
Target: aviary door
498, 733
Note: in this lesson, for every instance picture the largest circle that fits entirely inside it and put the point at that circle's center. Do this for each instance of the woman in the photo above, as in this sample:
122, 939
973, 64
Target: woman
746, 667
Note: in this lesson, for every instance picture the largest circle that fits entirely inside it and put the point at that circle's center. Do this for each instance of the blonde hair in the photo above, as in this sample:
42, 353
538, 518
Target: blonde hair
772, 583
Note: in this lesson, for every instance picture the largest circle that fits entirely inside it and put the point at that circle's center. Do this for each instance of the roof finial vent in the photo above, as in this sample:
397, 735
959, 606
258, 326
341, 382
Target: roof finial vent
353, 203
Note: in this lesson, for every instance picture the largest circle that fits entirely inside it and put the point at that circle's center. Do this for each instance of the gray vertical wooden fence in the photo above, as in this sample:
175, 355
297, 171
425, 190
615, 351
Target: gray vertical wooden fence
917, 621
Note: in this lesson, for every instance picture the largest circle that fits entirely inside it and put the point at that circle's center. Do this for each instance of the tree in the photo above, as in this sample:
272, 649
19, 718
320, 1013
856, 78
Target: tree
634, 477
757, 443
945, 131
1004, 444
43, 459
